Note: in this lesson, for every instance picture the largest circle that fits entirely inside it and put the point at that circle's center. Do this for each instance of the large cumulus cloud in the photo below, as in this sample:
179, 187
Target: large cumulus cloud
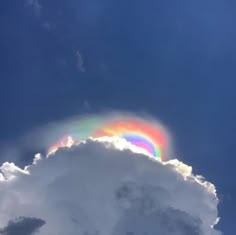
108, 187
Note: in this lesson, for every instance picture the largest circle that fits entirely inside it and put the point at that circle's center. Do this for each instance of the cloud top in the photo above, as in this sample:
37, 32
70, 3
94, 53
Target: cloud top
107, 186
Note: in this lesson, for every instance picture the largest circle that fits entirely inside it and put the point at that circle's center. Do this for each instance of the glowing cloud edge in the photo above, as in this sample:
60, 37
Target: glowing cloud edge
146, 133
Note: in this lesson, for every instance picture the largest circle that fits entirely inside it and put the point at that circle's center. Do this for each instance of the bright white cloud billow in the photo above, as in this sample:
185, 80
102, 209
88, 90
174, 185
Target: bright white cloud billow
106, 187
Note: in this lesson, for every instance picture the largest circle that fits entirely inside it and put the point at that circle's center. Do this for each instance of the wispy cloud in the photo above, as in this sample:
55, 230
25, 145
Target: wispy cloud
80, 61
35, 5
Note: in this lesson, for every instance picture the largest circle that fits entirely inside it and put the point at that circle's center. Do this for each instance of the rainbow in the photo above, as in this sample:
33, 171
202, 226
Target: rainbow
138, 132
146, 135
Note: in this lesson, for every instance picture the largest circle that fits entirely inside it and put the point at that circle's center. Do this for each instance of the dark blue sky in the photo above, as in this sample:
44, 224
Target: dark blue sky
175, 60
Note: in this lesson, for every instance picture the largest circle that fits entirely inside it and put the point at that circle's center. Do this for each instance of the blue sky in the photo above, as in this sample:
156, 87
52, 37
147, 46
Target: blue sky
175, 60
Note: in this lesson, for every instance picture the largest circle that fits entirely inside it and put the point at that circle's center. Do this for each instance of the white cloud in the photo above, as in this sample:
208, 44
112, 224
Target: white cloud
106, 186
